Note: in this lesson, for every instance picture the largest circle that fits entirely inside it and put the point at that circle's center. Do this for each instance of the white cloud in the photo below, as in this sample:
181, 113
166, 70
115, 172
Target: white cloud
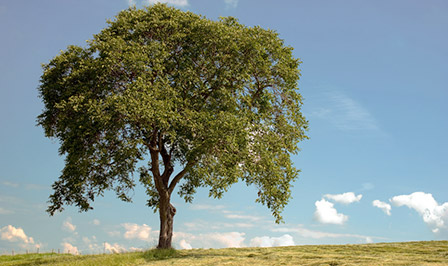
345, 198
13, 234
96, 222
327, 214
231, 3
114, 248
135, 231
134, 249
69, 248
434, 215
180, 3
68, 226
214, 240
383, 206
131, 2
231, 239
184, 244
266, 241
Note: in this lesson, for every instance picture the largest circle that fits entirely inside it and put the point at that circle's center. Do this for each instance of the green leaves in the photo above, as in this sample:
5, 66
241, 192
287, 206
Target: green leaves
216, 98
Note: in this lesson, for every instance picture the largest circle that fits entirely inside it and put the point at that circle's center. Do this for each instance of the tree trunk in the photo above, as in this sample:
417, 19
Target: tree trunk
166, 212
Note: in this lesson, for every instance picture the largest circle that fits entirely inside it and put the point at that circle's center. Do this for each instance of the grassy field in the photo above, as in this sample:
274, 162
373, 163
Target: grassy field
407, 253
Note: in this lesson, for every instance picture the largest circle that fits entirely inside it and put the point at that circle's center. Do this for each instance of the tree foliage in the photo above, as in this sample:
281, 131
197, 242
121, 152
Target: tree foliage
174, 99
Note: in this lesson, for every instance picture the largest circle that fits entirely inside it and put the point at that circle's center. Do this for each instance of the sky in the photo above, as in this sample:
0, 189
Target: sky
375, 84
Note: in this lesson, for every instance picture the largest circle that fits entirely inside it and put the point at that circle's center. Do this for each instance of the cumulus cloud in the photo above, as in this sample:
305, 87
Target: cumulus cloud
383, 206
433, 214
114, 248
327, 214
184, 244
231, 3
96, 222
69, 248
266, 241
68, 226
13, 234
135, 231
345, 198
180, 3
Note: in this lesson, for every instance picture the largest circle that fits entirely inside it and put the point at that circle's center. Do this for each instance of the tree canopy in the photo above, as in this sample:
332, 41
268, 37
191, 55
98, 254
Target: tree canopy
168, 98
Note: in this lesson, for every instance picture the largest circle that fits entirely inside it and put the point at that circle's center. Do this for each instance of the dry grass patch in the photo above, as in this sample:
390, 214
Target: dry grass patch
432, 253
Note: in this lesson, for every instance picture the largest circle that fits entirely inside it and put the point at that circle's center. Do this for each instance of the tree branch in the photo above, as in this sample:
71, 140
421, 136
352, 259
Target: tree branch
179, 176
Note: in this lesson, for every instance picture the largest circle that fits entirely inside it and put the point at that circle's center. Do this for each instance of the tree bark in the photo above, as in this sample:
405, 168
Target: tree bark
166, 213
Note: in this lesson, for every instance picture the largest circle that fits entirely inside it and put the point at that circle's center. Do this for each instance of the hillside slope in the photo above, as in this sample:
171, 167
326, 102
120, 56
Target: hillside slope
407, 253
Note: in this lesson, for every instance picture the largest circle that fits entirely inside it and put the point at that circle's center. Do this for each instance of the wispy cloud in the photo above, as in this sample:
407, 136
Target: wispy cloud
10, 184
433, 214
200, 225
247, 220
314, 234
252, 218
26, 186
5, 211
385, 207
231, 3
367, 186
344, 113
206, 207
179, 3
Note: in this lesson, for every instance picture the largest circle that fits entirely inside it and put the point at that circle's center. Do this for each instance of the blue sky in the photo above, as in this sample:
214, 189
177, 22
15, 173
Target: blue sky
375, 83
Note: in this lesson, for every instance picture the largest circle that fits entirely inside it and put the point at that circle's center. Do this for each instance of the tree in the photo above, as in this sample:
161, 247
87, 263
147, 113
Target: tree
160, 89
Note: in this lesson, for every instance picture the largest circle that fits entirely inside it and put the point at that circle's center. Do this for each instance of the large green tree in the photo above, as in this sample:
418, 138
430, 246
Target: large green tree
178, 100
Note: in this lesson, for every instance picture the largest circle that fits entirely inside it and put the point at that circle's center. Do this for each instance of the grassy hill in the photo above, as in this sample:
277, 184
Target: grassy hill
406, 253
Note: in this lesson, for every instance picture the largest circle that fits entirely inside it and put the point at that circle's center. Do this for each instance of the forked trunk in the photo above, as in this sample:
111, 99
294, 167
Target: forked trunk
166, 212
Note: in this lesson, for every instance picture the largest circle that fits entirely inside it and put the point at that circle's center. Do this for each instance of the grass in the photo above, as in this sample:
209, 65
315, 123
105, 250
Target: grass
407, 253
